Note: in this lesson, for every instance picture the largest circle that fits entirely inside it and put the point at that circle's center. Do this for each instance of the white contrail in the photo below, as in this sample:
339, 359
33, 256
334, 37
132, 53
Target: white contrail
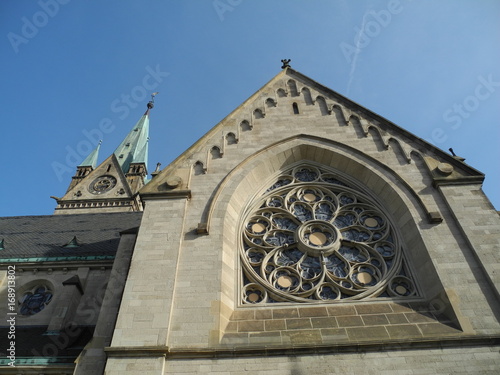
358, 50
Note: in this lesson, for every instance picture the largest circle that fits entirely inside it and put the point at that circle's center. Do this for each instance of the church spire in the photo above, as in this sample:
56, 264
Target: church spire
91, 159
85, 167
134, 147
113, 185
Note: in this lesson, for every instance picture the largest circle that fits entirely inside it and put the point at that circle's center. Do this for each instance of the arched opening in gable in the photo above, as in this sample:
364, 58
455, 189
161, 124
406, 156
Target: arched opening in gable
316, 223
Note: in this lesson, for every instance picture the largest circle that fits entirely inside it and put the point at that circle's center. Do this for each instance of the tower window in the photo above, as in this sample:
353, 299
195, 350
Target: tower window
295, 109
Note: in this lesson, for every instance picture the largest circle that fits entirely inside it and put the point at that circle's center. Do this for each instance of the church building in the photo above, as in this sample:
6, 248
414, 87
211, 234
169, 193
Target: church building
303, 234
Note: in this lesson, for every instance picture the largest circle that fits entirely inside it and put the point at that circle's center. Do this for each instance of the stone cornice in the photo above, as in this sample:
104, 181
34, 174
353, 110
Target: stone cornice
360, 347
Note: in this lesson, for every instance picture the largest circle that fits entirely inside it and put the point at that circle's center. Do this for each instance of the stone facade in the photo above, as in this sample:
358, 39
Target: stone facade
186, 309
182, 310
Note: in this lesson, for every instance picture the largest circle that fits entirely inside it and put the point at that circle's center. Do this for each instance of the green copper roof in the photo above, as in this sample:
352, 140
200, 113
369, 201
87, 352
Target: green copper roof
142, 155
91, 160
37, 361
57, 259
134, 149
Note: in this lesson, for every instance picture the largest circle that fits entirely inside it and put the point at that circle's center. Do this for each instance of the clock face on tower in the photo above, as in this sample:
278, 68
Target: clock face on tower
102, 184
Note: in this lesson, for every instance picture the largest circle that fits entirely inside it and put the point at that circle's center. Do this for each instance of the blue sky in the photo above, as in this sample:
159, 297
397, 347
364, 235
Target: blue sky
74, 71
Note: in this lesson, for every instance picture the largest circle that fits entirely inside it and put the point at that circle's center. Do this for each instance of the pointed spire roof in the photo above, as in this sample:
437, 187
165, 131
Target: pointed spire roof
91, 159
142, 155
134, 148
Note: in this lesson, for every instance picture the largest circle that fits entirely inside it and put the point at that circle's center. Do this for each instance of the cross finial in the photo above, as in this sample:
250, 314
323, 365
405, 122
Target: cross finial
286, 63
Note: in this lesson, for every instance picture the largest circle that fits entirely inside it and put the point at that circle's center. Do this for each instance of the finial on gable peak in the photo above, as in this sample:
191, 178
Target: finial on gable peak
286, 63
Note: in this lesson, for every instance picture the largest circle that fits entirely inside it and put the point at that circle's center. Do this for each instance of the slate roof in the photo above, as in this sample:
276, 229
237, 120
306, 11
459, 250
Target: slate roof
45, 236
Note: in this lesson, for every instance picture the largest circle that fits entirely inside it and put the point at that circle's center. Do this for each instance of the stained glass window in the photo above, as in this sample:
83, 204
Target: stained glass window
34, 300
312, 237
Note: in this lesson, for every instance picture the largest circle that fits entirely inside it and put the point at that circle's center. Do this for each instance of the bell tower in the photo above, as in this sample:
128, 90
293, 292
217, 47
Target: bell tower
113, 186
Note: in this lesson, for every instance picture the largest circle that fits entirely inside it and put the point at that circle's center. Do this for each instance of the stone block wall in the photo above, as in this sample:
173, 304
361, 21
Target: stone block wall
182, 310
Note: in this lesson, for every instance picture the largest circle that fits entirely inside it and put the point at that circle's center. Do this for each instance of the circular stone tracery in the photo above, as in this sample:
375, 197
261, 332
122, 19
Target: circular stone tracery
310, 237
318, 237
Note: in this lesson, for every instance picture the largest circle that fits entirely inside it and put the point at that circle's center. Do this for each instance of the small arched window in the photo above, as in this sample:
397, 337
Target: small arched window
292, 88
245, 126
231, 139
270, 103
199, 168
215, 152
295, 109
307, 96
322, 106
258, 113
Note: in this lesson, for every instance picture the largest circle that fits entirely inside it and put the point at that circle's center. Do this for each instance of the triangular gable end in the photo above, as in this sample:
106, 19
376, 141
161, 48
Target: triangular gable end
290, 94
105, 188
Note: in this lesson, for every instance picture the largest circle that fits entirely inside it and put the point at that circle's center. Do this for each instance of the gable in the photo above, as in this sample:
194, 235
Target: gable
104, 186
292, 104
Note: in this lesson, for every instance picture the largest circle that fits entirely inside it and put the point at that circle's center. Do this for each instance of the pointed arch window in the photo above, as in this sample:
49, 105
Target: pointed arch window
292, 87
313, 236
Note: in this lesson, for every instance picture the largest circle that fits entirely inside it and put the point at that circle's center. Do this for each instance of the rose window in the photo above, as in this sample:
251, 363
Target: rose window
312, 237
34, 300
